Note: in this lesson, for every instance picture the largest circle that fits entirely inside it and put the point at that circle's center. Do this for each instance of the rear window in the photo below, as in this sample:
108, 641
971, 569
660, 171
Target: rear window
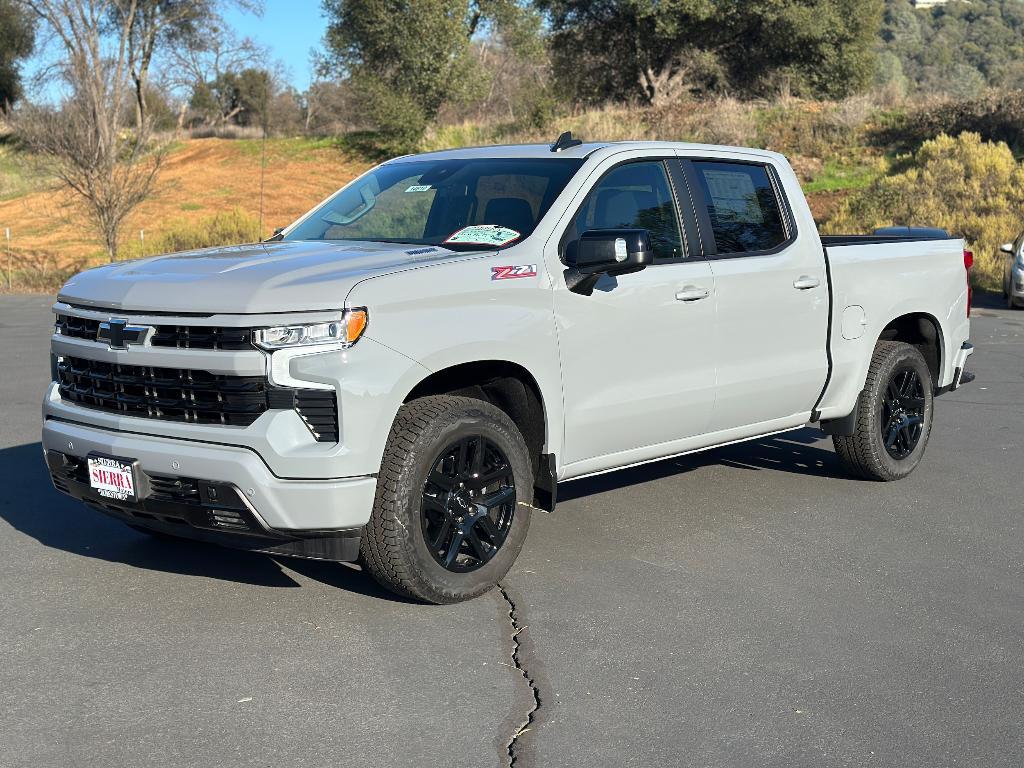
744, 210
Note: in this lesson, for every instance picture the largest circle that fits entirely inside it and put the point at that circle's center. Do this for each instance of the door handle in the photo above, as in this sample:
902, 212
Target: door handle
806, 282
692, 293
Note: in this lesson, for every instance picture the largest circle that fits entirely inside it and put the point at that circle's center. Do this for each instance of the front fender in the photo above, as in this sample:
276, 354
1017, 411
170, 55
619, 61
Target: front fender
453, 313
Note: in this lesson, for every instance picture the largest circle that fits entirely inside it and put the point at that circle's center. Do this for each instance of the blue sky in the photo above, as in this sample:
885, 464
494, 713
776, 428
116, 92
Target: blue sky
290, 29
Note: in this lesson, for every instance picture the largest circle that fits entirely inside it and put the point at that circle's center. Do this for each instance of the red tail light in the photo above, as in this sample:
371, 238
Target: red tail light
968, 263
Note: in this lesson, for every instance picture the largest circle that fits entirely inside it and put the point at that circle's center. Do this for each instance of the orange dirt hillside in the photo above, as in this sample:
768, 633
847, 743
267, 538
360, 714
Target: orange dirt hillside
200, 177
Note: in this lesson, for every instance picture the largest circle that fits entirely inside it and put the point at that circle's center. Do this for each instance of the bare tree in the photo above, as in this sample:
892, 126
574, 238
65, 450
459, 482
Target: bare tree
111, 169
201, 62
174, 24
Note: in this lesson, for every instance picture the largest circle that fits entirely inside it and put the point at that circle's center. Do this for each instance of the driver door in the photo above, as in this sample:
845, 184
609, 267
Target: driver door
637, 356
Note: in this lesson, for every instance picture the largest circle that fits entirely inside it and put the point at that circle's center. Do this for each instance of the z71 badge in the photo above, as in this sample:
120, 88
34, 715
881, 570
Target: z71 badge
512, 272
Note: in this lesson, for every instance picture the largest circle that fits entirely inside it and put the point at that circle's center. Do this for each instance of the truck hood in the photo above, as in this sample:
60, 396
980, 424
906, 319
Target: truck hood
259, 278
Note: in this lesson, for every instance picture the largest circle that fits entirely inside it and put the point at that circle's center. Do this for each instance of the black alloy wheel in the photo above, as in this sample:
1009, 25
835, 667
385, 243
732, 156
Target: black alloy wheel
468, 504
903, 413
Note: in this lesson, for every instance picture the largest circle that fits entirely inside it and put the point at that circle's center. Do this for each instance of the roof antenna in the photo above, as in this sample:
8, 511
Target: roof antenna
564, 142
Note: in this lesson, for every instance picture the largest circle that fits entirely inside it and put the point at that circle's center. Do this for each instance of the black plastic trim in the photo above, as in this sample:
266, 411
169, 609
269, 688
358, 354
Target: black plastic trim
845, 426
545, 484
694, 244
840, 241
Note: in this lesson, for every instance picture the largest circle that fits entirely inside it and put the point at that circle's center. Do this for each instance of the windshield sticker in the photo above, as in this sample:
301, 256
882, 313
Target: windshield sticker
484, 234
512, 272
419, 188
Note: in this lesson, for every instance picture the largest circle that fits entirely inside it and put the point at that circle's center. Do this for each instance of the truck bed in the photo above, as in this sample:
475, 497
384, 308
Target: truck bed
874, 278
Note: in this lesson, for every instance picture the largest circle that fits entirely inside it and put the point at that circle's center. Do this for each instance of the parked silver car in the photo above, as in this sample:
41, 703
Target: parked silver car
1013, 274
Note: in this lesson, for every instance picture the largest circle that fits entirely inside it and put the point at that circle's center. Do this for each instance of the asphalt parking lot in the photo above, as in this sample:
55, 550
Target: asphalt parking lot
749, 606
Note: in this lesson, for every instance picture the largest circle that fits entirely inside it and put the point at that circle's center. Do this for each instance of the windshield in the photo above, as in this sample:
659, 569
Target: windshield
458, 204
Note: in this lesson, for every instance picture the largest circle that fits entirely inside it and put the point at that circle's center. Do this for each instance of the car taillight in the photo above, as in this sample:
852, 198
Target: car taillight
968, 263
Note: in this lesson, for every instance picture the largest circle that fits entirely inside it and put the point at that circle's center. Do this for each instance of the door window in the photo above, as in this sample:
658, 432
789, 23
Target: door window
632, 196
742, 205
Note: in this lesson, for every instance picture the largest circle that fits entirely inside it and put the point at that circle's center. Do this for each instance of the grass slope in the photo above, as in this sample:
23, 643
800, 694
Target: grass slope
200, 178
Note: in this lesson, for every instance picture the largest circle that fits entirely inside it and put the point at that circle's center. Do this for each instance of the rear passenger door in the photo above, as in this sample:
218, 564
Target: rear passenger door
771, 295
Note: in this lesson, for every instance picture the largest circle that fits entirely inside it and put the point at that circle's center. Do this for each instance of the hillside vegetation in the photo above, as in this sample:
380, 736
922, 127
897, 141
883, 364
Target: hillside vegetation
208, 194
864, 162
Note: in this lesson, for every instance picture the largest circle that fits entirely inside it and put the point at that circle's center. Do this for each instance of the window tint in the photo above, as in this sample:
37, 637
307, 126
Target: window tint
742, 205
632, 196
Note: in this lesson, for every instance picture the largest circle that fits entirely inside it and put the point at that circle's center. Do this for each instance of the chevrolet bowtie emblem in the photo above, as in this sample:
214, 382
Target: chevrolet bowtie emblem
118, 334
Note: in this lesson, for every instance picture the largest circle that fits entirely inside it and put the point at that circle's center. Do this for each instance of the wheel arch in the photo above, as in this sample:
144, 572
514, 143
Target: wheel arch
512, 388
923, 331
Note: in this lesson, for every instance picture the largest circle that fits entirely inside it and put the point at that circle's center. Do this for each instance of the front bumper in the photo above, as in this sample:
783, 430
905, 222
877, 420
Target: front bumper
1016, 287
198, 509
291, 507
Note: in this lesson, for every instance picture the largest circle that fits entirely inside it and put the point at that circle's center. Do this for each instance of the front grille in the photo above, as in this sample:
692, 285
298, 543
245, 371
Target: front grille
199, 397
172, 394
177, 336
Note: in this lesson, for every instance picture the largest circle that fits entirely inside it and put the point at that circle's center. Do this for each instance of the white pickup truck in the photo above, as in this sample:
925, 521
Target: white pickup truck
403, 375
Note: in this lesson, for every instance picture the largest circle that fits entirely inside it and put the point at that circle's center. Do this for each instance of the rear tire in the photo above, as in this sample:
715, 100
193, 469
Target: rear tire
438, 532
894, 418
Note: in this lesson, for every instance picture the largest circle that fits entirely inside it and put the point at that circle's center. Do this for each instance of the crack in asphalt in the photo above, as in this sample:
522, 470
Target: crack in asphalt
513, 743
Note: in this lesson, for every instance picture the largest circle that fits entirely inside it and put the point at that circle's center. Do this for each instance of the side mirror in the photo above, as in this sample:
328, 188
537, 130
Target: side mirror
276, 236
1007, 248
607, 252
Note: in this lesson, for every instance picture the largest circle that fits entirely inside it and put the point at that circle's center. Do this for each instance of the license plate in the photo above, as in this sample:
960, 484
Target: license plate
112, 478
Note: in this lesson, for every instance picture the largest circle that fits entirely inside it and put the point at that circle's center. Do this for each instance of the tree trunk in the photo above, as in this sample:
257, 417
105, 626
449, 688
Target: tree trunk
140, 103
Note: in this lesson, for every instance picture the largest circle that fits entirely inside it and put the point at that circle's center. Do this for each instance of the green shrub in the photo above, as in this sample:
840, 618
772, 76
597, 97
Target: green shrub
971, 187
996, 116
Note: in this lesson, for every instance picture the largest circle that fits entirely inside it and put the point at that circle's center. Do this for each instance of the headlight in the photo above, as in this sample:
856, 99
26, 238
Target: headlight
344, 332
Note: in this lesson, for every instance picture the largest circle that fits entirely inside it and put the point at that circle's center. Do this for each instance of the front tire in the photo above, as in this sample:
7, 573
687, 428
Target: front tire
894, 415
451, 514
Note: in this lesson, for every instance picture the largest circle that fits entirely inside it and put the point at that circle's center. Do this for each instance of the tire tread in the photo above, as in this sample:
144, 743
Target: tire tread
860, 453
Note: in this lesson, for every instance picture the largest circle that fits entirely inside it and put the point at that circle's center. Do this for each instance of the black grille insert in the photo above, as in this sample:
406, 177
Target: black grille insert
177, 336
319, 409
173, 394
200, 397
202, 337
77, 327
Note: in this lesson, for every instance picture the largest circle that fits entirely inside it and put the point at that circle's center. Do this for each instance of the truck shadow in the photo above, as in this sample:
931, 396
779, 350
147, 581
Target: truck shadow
31, 505
802, 452
988, 300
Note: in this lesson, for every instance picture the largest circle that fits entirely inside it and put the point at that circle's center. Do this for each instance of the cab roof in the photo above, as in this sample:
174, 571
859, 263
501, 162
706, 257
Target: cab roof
579, 151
